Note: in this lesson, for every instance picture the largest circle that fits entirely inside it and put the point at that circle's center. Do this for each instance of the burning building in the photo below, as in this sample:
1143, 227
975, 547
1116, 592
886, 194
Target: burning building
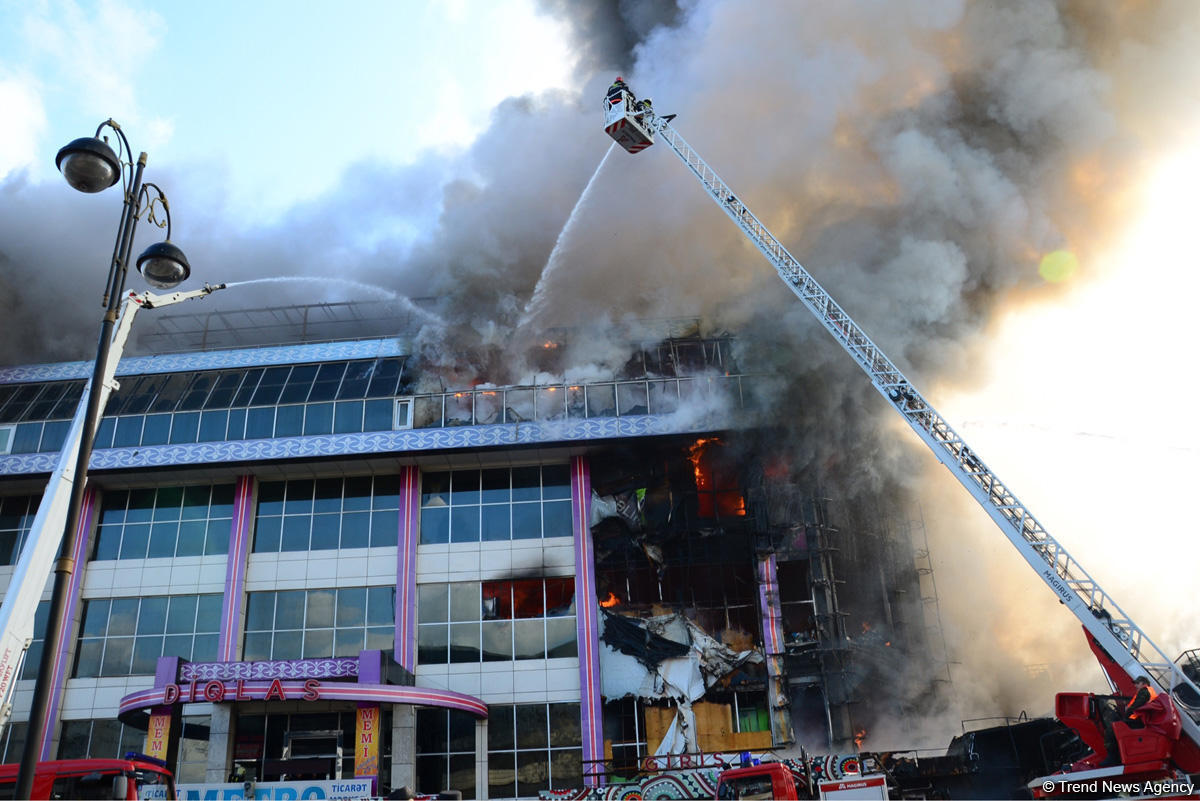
294, 548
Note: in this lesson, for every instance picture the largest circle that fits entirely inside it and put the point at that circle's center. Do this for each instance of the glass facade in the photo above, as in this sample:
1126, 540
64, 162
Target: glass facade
16, 518
533, 747
98, 739
308, 624
496, 621
495, 505
126, 636
328, 513
264, 741
446, 750
164, 522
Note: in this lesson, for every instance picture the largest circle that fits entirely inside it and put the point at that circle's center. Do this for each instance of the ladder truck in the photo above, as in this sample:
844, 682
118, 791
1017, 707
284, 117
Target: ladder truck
1122, 647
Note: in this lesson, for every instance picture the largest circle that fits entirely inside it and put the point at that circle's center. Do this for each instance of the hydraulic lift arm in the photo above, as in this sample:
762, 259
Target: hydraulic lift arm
1101, 616
45, 535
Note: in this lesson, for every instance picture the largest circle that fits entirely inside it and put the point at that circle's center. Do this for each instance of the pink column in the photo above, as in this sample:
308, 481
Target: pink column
406, 567
235, 569
587, 623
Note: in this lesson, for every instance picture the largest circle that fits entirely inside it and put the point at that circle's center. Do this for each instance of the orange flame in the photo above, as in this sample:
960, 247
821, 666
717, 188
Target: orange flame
550, 345
860, 737
611, 601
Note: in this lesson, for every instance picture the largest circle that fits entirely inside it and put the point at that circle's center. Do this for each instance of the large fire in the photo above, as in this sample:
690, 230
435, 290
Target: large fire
719, 492
860, 737
611, 601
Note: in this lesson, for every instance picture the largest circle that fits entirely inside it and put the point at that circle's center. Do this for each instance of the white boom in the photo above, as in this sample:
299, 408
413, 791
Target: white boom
45, 535
1125, 642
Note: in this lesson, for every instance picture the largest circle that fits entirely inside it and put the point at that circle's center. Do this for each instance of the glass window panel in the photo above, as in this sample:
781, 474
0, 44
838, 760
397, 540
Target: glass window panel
129, 432
113, 509
358, 377
462, 732
531, 726
54, 435
134, 541
432, 603
260, 423
87, 661
208, 613
324, 532
270, 498
432, 728
104, 433
318, 419
75, 736
299, 384
432, 771
348, 642
95, 618
560, 596
529, 639
551, 403
556, 519
435, 526
195, 502
464, 642
502, 774
464, 602
248, 385
527, 598
204, 648
146, 651
348, 417
197, 392
526, 483
317, 643
289, 610
237, 424
46, 399
152, 619
270, 385
191, 538
351, 607
566, 767
526, 521
385, 528
427, 412
380, 606
223, 390
295, 533
299, 497
356, 530
385, 378
181, 614
167, 502
289, 421
464, 487
222, 501
170, 391
496, 523
287, 645
257, 646
27, 438
631, 398
184, 427
328, 495
217, 541
488, 407
328, 378
387, 492
664, 397
378, 416
357, 492
108, 542
497, 641
320, 609
435, 489
212, 426
162, 540
178, 645
495, 486
556, 482
532, 773
500, 729
432, 642
141, 506
381, 638
601, 401
118, 652
266, 534
260, 611
68, 402
560, 638
156, 430
464, 524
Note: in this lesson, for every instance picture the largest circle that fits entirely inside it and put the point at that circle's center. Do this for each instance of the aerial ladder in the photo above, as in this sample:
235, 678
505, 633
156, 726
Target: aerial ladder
45, 534
634, 125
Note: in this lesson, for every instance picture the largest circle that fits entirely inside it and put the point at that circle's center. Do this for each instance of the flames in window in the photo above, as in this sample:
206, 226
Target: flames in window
717, 486
611, 601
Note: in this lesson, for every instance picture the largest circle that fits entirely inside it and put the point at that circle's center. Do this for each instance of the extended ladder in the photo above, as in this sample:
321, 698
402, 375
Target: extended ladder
1099, 613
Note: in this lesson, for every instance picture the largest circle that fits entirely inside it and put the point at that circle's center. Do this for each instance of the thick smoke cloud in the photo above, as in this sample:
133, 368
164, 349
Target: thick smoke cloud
918, 157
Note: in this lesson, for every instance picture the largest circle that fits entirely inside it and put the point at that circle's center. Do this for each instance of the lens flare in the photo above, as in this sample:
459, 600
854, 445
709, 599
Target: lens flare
1058, 266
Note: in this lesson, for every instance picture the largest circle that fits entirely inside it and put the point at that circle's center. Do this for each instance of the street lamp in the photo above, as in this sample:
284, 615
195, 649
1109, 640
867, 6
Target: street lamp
90, 165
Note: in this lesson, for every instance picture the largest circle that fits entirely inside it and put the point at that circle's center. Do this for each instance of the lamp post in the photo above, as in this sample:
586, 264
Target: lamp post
90, 165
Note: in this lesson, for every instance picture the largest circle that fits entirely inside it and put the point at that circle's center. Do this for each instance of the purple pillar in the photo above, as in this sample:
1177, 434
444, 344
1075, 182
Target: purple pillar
406, 568
66, 649
587, 614
235, 569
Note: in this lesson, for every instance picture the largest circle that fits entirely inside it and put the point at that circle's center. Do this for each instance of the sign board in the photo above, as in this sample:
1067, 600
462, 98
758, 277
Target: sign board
158, 735
366, 741
868, 787
278, 791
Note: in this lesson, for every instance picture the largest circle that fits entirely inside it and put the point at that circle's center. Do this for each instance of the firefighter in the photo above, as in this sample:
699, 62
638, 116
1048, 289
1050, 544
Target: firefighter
617, 87
1143, 694
1128, 714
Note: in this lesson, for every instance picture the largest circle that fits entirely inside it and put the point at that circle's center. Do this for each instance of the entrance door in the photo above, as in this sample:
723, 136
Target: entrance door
309, 755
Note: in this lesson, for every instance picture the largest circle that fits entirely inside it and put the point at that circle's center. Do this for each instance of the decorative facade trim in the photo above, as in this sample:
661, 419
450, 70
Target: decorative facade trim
211, 360
406, 568
235, 568
586, 622
374, 442
333, 668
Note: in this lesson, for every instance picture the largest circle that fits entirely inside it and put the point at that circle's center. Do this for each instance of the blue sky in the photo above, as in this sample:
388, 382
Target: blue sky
274, 98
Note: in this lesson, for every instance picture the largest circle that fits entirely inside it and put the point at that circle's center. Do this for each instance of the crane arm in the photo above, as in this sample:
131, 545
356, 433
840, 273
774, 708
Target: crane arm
1073, 585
